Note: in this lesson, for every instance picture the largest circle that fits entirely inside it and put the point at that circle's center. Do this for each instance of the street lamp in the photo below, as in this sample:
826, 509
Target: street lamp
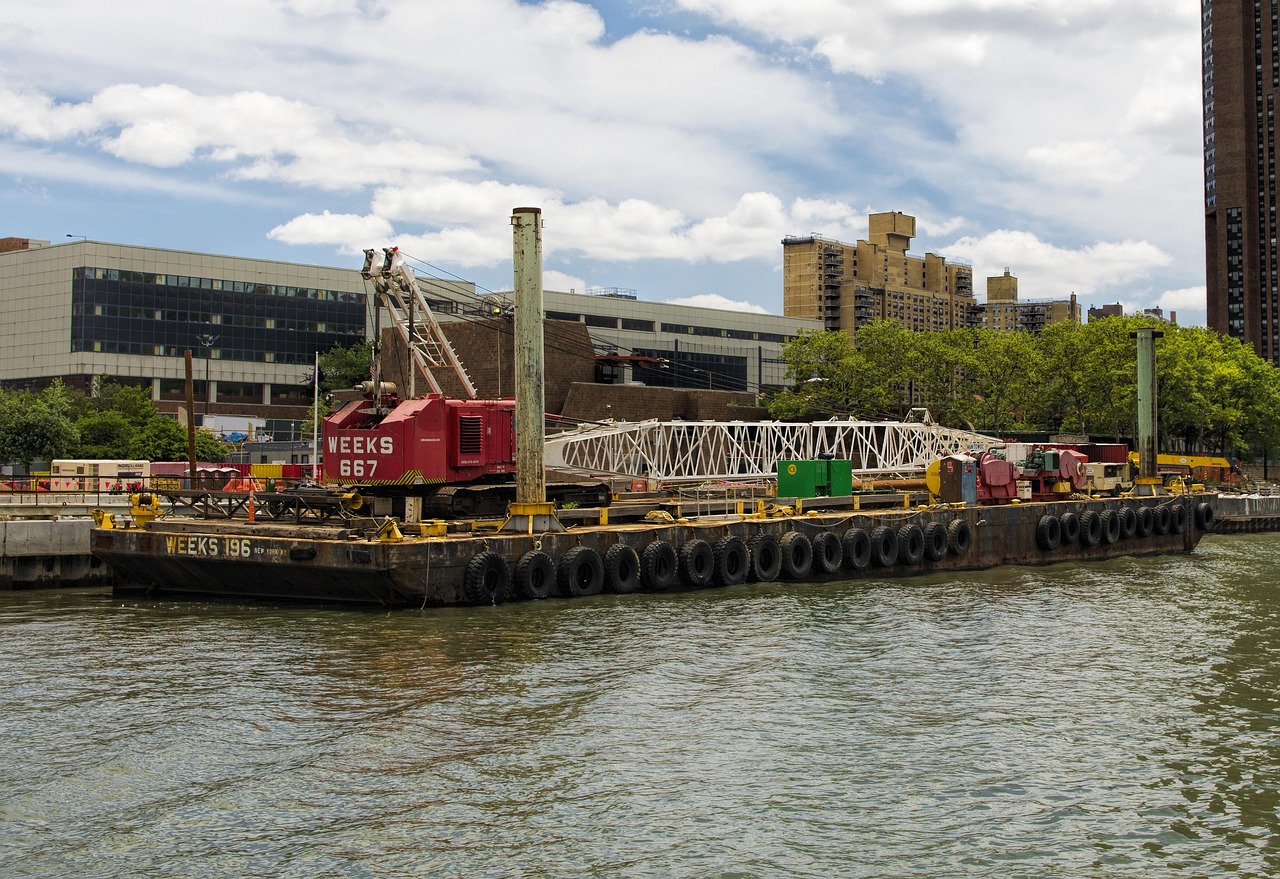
207, 340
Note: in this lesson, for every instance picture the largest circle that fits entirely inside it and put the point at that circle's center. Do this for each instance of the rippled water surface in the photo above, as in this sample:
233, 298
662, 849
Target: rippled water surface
1105, 719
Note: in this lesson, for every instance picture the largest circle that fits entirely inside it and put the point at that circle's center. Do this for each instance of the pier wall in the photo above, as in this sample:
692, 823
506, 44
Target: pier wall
1241, 513
47, 552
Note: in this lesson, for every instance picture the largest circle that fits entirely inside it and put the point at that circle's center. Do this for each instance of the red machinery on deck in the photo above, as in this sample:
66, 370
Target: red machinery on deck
457, 455
1037, 472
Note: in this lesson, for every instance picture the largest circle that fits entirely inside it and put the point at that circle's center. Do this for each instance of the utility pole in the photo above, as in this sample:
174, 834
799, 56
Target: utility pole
1148, 482
530, 512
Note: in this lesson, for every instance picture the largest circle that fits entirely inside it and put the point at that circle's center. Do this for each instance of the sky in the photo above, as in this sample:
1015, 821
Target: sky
671, 144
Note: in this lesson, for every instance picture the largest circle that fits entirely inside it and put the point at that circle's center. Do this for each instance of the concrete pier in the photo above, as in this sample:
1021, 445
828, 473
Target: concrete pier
43, 553
1241, 513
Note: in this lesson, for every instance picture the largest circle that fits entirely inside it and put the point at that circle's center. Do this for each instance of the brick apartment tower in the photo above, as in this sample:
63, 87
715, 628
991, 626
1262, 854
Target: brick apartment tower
1241, 79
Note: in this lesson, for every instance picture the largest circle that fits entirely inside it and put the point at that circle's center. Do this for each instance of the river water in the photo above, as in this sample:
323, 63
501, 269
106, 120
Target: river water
1109, 719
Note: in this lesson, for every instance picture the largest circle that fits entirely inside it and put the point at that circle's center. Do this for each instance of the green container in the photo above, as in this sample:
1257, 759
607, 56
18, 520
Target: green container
839, 478
814, 478
800, 478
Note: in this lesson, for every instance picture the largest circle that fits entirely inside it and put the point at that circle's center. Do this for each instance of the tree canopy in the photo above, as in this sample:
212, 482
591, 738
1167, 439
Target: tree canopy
1215, 393
115, 421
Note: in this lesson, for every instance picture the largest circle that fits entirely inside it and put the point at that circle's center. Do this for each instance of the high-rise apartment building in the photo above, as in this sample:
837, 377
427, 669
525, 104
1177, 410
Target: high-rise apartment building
1005, 313
1240, 80
847, 285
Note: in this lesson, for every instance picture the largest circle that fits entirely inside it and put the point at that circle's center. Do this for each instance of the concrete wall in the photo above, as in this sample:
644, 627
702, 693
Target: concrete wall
45, 553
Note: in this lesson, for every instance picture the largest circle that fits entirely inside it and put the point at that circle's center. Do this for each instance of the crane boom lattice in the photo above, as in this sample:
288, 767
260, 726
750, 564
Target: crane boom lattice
681, 451
399, 294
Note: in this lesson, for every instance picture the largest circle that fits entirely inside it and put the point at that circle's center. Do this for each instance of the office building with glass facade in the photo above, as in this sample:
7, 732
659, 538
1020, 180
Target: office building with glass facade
88, 309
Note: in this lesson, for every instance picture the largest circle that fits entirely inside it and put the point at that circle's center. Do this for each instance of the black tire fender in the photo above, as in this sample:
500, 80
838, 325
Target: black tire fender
910, 544
486, 578
1128, 522
1178, 518
1163, 520
959, 536
1049, 533
658, 566
697, 563
621, 569
856, 544
884, 546
828, 554
1110, 523
797, 555
1070, 527
1090, 528
580, 573
766, 558
935, 541
535, 575
1204, 516
1146, 522
732, 561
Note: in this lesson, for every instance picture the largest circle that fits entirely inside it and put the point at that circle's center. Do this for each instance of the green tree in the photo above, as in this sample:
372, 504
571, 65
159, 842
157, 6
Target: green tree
32, 430
164, 439
133, 403
104, 435
1002, 378
344, 368
886, 368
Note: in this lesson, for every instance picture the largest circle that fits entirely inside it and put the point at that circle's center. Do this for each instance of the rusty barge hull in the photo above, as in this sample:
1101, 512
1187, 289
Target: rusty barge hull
241, 561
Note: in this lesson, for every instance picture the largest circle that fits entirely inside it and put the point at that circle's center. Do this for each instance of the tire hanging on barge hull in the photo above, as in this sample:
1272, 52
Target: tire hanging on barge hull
658, 567
621, 569
1090, 528
797, 555
485, 579
1128, 523
1163, 520
1204, 516
935, 541
959, 536
1110, 526
1146, 522
580, 572
1070, 528
856, 544
828, 554
731, 561
766, 558
884, 546
697, 563
1048, 533
1178, 519
535, 575
910, 544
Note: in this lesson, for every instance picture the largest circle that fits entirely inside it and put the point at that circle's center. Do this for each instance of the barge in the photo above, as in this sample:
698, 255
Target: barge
375, 563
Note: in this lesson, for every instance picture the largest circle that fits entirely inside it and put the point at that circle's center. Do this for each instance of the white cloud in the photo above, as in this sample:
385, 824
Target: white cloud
1186, 299
562, 282
346, 230
715, 300
1085, 160
1048, 271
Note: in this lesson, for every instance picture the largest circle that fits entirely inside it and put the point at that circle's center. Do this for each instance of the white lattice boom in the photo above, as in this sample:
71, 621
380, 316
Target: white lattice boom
689, 451
428, 345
